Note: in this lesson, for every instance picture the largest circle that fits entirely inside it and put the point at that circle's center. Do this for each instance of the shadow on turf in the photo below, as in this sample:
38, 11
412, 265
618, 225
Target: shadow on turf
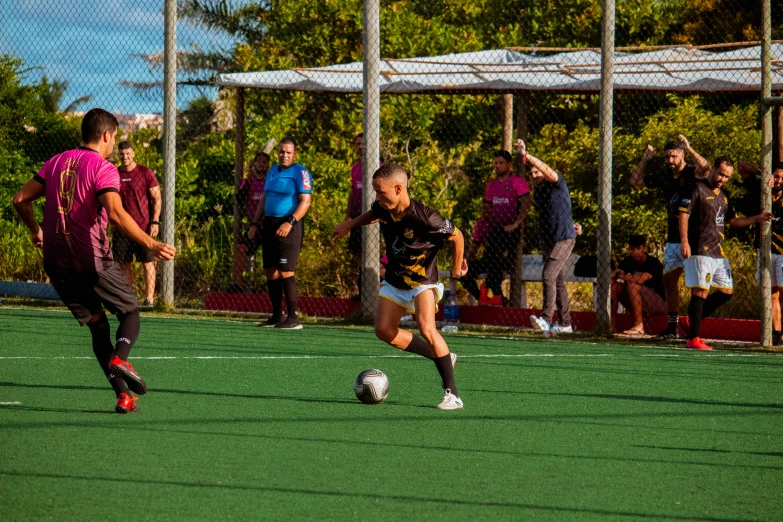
354, 494
713, 450
642, 398
52, 410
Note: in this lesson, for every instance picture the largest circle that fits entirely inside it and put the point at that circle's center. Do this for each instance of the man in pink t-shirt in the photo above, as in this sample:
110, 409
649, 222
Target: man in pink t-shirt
354, 208
82, 190
478, 265
140, 195
251, 193
510, 197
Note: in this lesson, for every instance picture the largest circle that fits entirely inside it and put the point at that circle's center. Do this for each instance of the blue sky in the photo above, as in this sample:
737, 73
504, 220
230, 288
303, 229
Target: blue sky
90, 44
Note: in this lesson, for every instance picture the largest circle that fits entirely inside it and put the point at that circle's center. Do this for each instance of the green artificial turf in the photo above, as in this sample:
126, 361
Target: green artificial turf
249, 423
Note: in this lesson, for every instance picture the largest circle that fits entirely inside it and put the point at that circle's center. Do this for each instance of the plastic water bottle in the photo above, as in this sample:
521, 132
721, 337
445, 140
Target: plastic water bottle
451, 315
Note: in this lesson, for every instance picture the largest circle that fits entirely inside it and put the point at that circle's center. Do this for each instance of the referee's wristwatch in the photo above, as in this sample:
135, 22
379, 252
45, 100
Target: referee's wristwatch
292, 221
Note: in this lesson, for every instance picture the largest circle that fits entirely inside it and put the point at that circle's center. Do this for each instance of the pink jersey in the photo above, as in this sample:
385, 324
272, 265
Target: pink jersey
481, 231
355, 198
255, 191
74, 225
504, 196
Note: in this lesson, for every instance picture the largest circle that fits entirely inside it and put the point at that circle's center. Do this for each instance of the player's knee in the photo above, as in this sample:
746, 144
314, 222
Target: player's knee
98, 321
386, 333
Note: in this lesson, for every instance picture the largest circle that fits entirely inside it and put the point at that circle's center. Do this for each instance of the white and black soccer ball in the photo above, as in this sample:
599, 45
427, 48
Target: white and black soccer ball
371, 386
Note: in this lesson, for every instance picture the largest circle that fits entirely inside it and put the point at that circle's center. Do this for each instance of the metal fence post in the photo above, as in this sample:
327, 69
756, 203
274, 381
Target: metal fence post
766, 169
169, 141
371, 123
604, 237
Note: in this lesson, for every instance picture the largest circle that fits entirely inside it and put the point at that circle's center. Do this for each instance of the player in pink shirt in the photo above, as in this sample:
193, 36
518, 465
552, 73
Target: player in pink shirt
354, 209
478, 265
82, 190
251, 192
510, 197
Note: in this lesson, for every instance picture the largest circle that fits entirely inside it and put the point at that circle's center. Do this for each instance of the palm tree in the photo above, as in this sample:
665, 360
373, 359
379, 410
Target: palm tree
52, 93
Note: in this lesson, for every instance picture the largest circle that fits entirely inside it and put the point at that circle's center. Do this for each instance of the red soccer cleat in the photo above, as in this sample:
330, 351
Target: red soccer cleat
126, 403
684, 323
129, 375
697, 344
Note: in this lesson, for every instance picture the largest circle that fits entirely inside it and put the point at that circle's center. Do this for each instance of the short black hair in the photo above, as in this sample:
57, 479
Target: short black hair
674, 145
720, 160
506, 155
125, 144
262, 153
487, 202
389, 170
360, 135
637, 240
95, 123
287, 140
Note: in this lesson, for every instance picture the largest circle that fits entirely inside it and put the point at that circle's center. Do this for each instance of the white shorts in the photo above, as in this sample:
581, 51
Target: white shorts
407, 298
704, 272
672, 257
775, 274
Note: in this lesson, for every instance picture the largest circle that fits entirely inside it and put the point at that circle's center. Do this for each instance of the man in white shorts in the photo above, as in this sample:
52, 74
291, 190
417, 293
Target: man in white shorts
414, 234
675, 179
776, 275
703, 216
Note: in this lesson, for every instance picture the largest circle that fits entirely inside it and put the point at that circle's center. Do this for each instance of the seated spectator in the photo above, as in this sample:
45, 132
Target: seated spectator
638, 285
477, 264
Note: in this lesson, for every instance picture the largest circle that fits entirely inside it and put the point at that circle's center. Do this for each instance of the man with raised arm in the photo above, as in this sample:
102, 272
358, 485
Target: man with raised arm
414, 234
558, 236
703, 217
82, 192
674, 180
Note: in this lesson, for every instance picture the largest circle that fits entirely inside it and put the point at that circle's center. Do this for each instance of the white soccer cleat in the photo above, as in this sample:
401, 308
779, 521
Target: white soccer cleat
450, 402
539, 323
557, 329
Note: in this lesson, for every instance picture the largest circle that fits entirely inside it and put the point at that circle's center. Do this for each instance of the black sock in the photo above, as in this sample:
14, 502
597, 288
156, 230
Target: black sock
276, 296
672, 320
713, 302
420, 347
446, 371
104, 351
695, 311
127, 333
291, 295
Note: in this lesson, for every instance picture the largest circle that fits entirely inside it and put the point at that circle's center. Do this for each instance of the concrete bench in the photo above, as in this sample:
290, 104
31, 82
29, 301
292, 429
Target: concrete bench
532, 272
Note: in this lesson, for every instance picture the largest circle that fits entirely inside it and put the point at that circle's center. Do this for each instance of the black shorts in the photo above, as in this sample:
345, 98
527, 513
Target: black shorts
281, 252
86, 293
500, 250
355, 240
124, 249
252, 244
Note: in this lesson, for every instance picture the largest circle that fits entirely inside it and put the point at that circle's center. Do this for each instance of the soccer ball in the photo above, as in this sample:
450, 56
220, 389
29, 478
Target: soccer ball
371, 386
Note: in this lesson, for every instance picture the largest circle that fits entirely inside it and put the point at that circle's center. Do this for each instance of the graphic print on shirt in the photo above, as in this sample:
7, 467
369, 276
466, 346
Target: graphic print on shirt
65, 194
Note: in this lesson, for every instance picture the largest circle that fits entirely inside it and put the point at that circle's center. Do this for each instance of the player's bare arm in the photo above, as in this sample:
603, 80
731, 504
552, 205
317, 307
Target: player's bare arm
127, 226
304, 204
341, 229
637, 175
685, 248
257, 218
742, 222
638, 279
459, 265
702, 165
524, 209
23, 203
157, 203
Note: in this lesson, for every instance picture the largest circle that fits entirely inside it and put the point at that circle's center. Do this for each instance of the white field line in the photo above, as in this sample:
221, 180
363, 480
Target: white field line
14, 403
272, 357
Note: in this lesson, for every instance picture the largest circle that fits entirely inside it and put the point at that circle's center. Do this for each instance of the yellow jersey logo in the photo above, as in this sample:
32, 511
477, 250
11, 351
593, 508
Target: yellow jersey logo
408, 233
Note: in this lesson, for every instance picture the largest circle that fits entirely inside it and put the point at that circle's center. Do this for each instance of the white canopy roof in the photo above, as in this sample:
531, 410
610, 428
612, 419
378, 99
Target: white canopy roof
676, 69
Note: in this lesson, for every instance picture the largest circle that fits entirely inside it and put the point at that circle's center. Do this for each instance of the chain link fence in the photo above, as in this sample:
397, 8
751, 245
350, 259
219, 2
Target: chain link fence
493, 110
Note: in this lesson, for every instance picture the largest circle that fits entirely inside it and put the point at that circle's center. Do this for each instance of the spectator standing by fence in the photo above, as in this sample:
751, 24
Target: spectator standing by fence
140, 195
558, 236
776, 274
354, 210
703, 216
676, 178
638, 285
250, 194
510, 197
286, 199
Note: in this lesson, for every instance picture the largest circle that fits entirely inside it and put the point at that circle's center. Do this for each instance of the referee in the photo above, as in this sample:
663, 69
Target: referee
287, 195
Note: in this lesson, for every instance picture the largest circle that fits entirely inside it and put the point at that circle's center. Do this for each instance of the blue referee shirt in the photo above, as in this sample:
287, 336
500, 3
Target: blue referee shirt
282, 189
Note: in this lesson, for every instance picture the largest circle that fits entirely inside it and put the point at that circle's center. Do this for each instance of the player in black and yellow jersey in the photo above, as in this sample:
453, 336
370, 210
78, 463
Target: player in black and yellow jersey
414, 234
703, 216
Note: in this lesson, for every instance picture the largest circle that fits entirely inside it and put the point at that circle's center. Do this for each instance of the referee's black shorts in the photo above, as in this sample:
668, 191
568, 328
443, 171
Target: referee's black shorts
281, 252
86, 293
